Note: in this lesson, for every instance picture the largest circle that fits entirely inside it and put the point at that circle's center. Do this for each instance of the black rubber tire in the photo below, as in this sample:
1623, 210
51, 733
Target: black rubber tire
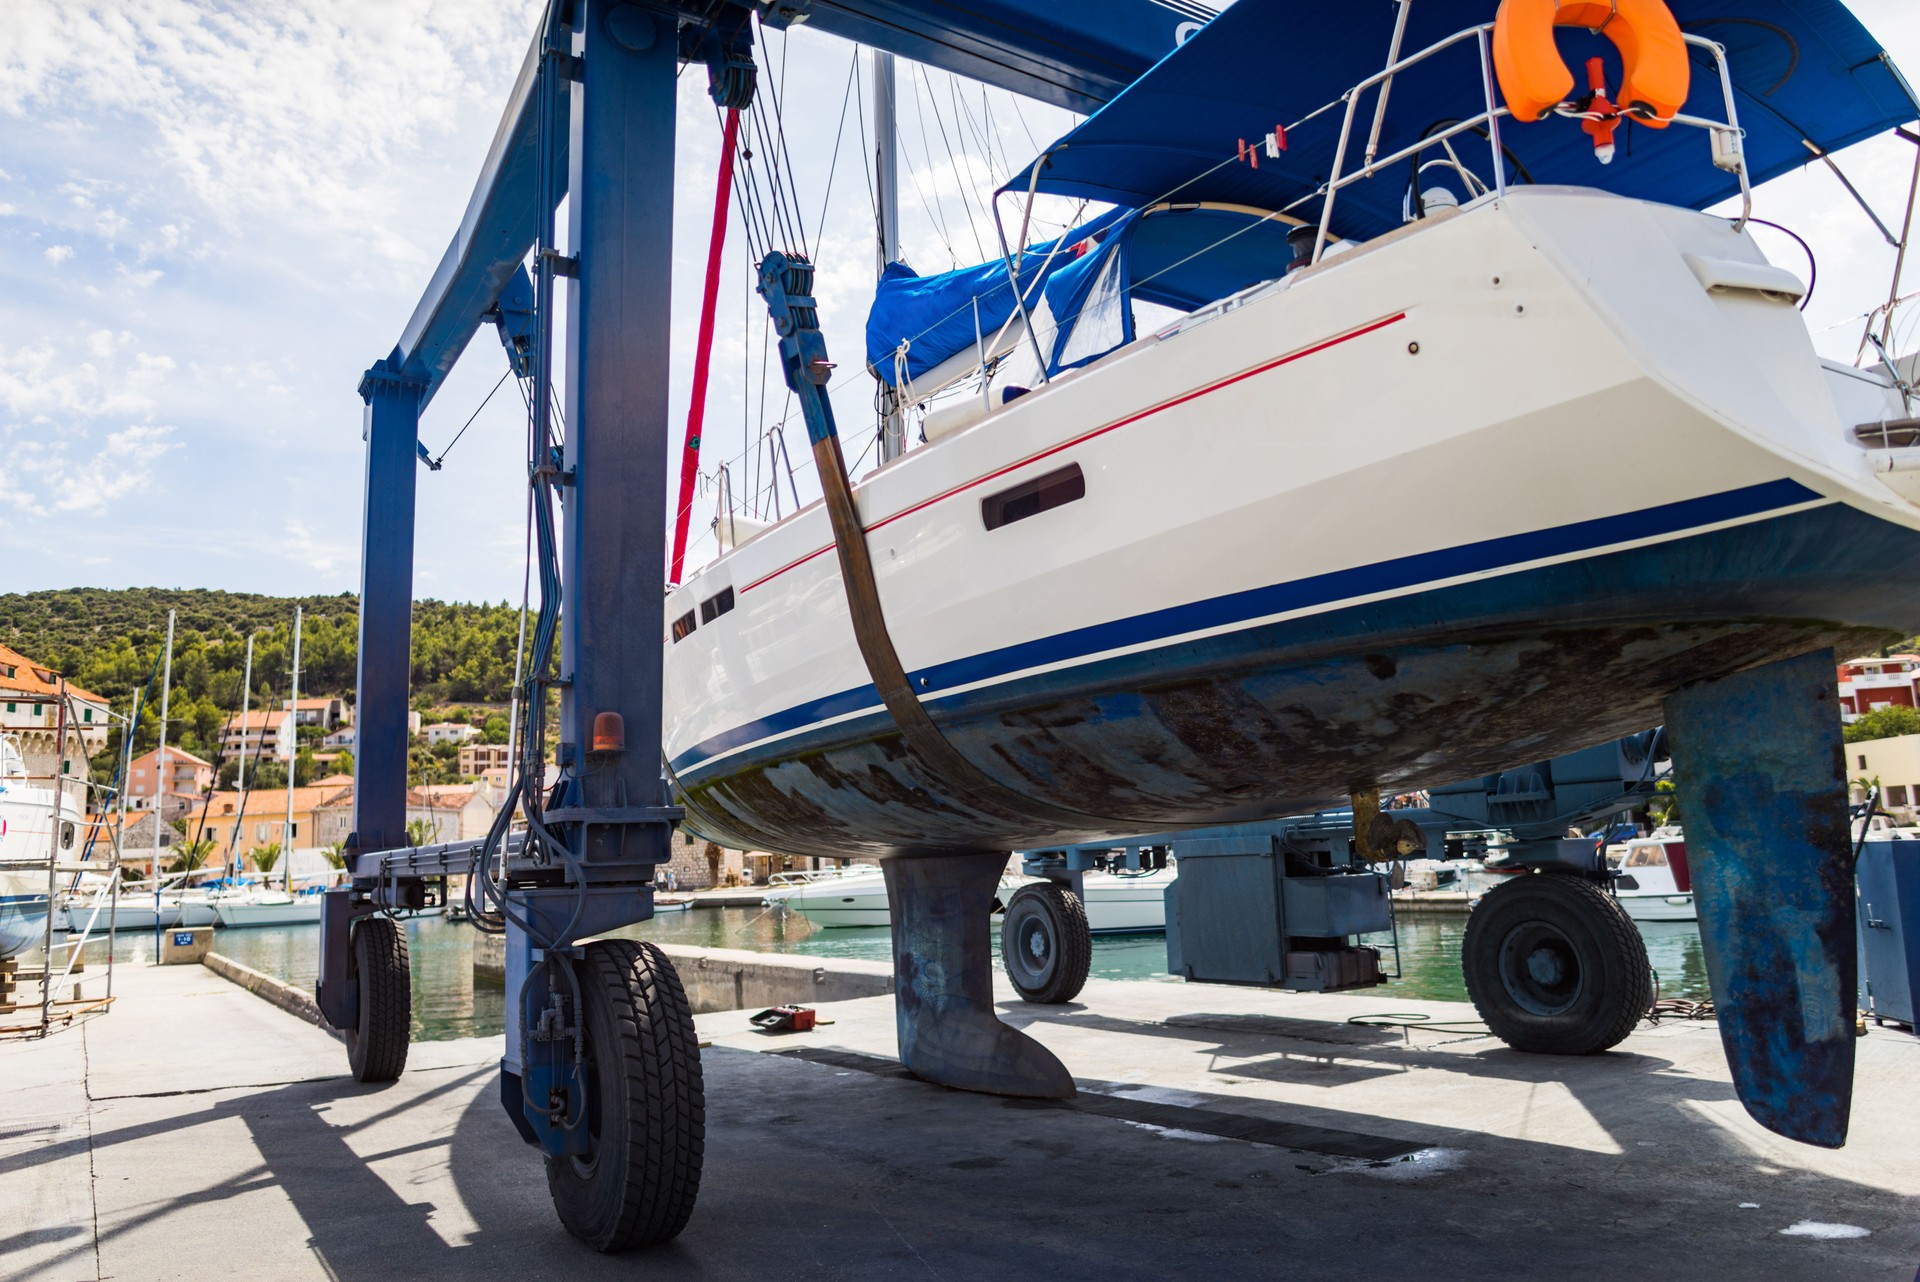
1046, 946
377, 1048
1555, 966
648, 1114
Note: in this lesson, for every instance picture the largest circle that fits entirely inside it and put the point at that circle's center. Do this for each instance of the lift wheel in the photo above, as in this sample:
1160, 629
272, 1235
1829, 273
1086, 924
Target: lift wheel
1555, 966
1045, 943
377, 1045
647, 1110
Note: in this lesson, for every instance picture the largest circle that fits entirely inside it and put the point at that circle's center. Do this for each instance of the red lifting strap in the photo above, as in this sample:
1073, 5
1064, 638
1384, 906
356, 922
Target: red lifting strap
703, 352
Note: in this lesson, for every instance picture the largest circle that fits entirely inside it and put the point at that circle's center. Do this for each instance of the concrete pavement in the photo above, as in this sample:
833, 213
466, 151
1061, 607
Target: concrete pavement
199, 1132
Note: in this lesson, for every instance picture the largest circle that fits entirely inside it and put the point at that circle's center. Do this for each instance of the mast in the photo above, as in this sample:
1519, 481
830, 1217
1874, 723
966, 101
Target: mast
160, 791
886, 182
240, 780
293, 759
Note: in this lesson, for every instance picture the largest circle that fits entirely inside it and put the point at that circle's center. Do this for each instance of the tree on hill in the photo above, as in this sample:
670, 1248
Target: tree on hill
1884, 723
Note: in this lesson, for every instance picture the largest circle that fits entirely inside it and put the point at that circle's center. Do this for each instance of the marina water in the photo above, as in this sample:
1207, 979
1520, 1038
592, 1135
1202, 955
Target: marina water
449, 1002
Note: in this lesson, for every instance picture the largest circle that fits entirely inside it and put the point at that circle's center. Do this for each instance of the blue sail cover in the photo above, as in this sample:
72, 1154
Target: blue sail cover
1803, 69
934, 314
1178, 258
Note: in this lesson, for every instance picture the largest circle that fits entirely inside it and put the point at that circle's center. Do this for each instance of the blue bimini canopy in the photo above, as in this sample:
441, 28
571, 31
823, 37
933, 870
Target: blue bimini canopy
1803, 71
1180, 257
934, 316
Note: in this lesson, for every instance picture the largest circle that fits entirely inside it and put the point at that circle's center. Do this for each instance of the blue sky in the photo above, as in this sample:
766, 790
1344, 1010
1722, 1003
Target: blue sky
214, 216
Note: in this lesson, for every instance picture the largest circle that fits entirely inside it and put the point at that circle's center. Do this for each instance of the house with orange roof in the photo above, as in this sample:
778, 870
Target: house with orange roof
260, 818
263, 732
330, 713
1867, 685
188, 777
30, 699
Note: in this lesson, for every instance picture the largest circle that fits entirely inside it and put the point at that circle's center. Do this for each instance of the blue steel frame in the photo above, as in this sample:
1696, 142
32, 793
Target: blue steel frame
607, 138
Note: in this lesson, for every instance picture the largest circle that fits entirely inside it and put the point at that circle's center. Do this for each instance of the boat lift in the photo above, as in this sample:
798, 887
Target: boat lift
601, 1070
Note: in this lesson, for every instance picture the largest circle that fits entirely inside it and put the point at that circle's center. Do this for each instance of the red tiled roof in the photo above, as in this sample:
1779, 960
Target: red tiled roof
27, 678
175, 757
257, 719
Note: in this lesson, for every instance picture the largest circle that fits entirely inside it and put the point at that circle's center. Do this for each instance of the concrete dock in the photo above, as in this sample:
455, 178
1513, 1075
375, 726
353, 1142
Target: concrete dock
199, 1132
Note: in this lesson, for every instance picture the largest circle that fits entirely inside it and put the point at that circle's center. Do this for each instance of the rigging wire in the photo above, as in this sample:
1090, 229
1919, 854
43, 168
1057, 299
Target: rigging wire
935, 209
434, 464
966, 199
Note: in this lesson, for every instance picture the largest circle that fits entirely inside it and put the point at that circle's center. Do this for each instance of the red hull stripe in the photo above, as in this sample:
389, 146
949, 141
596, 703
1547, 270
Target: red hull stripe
1084, 437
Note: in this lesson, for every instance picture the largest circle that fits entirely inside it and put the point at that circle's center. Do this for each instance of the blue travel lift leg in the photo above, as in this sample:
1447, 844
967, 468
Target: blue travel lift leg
602, 1069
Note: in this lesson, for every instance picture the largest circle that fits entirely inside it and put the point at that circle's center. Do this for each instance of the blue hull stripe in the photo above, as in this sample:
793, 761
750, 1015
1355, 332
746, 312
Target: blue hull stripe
1396, 575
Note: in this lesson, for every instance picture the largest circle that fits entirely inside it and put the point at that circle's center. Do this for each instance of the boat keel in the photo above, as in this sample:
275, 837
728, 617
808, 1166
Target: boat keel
1759, 761
942, 906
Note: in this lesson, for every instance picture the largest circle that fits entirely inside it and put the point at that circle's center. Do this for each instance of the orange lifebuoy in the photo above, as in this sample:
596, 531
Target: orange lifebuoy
1535, 79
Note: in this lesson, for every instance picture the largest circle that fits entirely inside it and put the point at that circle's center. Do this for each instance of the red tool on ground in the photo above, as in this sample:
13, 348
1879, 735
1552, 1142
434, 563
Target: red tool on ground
786, 1019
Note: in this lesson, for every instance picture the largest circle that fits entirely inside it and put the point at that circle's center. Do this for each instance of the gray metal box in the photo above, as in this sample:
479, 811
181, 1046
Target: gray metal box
1231, 912
1223, 913
1889, 906
1329, 906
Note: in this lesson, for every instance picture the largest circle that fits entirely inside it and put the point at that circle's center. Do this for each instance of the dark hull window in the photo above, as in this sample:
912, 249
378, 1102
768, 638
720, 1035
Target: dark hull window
683, 626
716, 605
1031, 498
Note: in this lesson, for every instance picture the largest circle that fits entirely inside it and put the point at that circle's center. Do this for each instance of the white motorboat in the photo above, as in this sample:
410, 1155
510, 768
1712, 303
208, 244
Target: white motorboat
241, 909
1651, 878
1117, 903
27, 811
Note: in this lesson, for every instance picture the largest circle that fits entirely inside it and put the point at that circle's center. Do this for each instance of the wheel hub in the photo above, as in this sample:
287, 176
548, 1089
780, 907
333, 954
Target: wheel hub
1034, 941
1540, 968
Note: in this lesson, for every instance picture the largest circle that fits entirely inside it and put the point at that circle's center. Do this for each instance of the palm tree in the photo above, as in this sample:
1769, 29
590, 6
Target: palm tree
335, 855
419, 832
191, 855
265, 857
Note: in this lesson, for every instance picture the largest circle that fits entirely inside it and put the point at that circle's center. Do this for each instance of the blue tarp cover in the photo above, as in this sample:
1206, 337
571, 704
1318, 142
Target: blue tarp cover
1802, 69
1179, 258
936, 312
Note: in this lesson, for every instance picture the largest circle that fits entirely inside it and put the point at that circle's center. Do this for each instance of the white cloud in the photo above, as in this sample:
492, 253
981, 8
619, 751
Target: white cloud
330, 558
57, 254
45, 475
279, 111
104, 342
41, 383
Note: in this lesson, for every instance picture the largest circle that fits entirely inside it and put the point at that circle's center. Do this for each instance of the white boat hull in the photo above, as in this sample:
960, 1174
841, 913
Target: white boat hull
1659, 907
136, 912
1398, 516
27, 837
1116, 904
23, 912
268, 910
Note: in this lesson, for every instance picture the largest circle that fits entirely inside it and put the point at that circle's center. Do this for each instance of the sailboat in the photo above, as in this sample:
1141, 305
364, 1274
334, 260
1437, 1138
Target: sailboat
1403, 421
1368, 501
263, 905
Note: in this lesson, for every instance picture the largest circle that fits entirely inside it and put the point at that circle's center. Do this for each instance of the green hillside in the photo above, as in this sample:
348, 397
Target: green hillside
108, 642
